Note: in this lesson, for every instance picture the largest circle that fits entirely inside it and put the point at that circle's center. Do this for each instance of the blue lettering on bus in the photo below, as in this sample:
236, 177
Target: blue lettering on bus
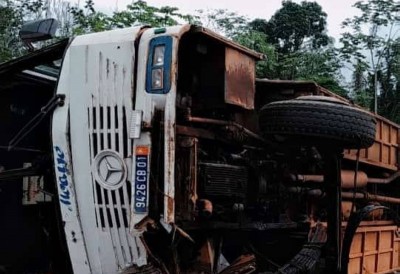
62, 167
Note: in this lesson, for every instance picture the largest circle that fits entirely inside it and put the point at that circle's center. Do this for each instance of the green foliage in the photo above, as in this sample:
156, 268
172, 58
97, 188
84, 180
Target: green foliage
14, 13
140, 13
257, 41
32, 10
295, 26
360, 91
238, 28
330, 83
369, 44
302, 49
225, 22
10, 23
321, 66
389, 99
369, 31
78, 20
88, 20
320, 63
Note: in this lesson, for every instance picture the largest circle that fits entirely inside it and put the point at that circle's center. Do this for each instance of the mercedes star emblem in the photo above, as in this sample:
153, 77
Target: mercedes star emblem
109, 169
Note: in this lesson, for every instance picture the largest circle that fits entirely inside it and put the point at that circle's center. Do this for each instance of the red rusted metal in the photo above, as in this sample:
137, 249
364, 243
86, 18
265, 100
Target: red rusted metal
347, 208
192, 119
205, 259
347, 176
239, 79
370, 197
356, 195
387, 180
195, 132
374, 249
205, 207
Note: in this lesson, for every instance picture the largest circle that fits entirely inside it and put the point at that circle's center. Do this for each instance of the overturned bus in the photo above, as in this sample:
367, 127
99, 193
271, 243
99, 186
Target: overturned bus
155, 150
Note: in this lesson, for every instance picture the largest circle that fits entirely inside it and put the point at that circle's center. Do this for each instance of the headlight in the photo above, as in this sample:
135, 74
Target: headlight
158, 56
158, 73
157, 78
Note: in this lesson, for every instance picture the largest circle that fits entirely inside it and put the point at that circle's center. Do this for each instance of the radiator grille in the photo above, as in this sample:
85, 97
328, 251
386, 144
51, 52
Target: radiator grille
112, 206
223, 180
107, 120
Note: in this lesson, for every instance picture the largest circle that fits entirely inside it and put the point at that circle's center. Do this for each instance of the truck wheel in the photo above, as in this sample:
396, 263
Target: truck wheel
318, 120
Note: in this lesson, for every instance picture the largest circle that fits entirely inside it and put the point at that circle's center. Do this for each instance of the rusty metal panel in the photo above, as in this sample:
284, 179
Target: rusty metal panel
375, 249
239, 79
384, 152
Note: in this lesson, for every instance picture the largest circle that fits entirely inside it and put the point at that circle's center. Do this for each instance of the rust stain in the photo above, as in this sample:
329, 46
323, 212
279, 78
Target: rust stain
124, 72
171, 201
170, 150
239, 79
108, 67
100, 66
115, 66
170, 207
206, 256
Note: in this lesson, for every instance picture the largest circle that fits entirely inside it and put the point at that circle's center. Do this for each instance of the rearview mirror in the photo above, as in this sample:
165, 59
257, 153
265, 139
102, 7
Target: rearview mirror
38, 30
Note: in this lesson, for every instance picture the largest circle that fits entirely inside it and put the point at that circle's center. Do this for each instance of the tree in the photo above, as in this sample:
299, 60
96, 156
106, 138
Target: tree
295, 26
88, 20
368, 42
323, 67
360, 91
14, 13
224, 22
10, 22
303, 50
257, 41
138, 13
389, 79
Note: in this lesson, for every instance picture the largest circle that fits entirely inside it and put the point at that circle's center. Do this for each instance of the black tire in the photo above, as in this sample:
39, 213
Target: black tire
318, 120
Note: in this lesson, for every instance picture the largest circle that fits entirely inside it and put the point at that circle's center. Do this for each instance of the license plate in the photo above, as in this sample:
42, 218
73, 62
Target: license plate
141, 181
